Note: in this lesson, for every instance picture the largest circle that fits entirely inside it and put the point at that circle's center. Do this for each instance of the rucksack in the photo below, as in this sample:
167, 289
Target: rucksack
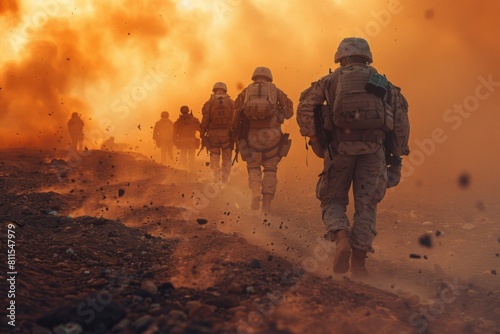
221, 113
260, 100
354, 106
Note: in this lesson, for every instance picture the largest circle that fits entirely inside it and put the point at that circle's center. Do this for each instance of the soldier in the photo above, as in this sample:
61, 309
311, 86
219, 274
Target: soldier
216, 123
361, 132
75, 129
261, 108
162, 135
184, 137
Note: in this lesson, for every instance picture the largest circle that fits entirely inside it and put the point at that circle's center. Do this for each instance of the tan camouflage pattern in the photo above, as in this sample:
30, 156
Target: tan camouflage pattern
219, 140
263, 163
358, 163
368, 175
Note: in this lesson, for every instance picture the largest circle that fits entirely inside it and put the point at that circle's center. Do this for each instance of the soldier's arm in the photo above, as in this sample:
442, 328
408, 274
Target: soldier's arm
311, 97
398, 141
286, 105
238, 109
205, 119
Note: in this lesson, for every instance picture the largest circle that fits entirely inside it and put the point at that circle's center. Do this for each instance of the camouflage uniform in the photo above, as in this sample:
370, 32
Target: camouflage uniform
162, 135
75, 129
353, 156
184, 137
261, 144
216, 123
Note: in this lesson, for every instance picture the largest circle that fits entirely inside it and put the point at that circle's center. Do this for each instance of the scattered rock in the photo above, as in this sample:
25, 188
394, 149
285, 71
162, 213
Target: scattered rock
69, 328
255, 264
250, 290
427, 223
202, 221
121, 326
121, 192
149, 287
224, 302
493, 272
468, 226
415, 256
142, 323
70, 251
425, 241
472, 293
413, 300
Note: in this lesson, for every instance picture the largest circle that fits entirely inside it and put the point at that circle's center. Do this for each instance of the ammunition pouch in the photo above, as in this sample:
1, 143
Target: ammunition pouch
284, 145
244, 150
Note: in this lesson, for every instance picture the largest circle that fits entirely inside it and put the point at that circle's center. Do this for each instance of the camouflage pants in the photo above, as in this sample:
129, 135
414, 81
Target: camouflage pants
262, 172
368, 175
187, 158
215, 157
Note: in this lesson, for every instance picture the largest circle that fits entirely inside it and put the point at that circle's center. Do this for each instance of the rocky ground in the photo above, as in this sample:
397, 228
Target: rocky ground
115, 243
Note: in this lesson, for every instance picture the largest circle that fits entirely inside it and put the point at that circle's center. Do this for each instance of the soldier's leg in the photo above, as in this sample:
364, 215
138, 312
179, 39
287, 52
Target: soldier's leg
215, 163
333, 192
255, 178
269, 180
191, 153
369, 186
226, 163
170, 153
163, 154
183, 157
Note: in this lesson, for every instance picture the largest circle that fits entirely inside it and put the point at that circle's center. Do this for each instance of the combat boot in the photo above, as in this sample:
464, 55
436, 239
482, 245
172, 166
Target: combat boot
266, 202
358, 269
342, 252
255, 203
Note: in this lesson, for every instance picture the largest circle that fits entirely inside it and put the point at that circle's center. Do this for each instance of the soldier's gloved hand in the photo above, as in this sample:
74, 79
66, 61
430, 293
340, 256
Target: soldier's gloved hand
393, 171
316, 146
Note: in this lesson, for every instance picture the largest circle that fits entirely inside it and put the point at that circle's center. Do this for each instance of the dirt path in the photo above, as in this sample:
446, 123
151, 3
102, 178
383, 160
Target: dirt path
114, 242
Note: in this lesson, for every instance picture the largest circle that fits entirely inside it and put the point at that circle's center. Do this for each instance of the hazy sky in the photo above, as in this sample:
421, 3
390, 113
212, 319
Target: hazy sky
120, 63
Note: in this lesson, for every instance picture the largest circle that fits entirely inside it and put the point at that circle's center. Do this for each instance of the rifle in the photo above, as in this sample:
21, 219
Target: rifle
321, 117
204, 144
240, 133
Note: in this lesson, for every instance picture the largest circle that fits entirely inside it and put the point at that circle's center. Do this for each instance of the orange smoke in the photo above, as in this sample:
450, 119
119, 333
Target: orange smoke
120, 63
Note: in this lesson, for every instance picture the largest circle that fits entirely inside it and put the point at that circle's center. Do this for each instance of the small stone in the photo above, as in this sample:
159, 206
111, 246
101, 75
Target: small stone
176, 315
121, 326
149, 287
255, 264
472, 293
142, 323
493, 272
70, 251
468, 226
250, 290
413, 300
427, 223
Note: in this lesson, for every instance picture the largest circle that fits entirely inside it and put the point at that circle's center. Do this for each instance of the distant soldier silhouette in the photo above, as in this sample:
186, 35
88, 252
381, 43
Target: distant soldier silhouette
216, 130
184, 137
162, 134
75, 129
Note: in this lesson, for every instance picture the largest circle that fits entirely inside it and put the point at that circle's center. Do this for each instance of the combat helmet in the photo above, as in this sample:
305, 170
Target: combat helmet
164, 114
262, 71
353, 46
219, 85
184, 110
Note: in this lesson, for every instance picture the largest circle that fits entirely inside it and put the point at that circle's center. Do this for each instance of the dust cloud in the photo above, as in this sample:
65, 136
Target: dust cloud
120, 63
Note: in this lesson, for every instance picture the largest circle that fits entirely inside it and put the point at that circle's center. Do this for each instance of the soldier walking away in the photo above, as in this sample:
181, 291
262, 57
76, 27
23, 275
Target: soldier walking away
260, 109
358, 123
216, 123
75, 129
184, 137
162, 135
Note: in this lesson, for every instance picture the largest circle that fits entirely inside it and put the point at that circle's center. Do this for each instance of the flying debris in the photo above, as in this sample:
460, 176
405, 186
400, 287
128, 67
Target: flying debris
202, 221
